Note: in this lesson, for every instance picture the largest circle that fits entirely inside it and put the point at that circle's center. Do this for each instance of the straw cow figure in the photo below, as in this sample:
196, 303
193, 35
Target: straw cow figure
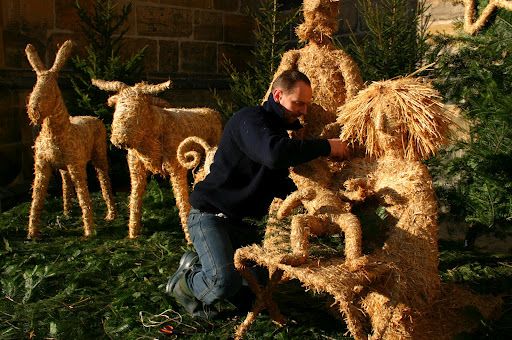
64, 143
334, 76
400, 122
151, 130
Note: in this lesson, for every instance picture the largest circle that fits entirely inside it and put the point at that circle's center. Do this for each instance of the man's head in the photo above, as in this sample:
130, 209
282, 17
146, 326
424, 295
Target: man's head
292, 89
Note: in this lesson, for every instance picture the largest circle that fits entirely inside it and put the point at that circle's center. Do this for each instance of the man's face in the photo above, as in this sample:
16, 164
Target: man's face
295, 101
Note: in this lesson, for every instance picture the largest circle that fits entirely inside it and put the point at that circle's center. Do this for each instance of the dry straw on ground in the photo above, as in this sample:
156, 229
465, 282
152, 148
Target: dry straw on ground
393, 291
64, 143
334, 76
151, 130
472, 25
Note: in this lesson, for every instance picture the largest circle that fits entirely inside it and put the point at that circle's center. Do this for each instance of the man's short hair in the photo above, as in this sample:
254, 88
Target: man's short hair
288, 79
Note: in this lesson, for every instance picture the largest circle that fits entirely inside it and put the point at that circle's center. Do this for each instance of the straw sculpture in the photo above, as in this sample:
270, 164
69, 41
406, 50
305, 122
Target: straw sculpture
393, 291
151, 130
326, 214
334, 76
190, 158
472, 25
64, 143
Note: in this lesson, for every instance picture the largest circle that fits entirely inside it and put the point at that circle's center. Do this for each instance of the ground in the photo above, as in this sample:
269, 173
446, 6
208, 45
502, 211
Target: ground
64, 286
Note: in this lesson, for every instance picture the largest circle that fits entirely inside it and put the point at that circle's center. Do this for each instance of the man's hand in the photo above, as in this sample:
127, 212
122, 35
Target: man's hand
339, 148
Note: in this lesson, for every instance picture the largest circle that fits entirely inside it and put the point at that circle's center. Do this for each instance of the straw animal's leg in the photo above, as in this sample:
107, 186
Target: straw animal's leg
180, 188
67, 191
350, 225
79, 178
40, 186
100, 163
138, 181
299, 238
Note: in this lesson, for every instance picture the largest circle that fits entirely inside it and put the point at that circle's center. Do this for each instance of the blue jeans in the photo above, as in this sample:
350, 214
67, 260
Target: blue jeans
215, 240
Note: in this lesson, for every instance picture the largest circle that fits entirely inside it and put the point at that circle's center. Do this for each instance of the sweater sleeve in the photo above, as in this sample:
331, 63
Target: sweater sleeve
273, 147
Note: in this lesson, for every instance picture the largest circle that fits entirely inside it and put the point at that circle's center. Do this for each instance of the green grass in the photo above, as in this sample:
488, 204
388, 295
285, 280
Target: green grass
67, 287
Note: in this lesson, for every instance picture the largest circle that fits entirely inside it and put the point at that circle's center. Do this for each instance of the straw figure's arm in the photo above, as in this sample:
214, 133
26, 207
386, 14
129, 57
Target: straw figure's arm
472, 25
358, 189
350, 72
294, 200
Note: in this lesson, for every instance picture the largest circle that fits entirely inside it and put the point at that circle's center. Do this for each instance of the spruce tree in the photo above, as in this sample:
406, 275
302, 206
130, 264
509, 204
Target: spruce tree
271, 37
475, 73
395, 38
104, 29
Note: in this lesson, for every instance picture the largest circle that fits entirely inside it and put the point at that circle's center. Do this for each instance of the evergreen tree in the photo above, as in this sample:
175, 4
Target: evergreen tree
104, 29
271, 36
395, 41
475, 73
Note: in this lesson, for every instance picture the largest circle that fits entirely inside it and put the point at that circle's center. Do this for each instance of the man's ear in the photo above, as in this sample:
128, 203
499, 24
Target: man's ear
277, 94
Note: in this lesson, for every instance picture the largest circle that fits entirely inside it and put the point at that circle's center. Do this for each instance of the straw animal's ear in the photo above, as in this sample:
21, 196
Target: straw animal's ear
62, 55
153, 89
33, 59
111, 86
112, 100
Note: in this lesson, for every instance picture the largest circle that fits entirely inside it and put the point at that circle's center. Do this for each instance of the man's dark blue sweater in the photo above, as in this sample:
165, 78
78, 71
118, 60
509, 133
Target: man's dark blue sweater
251, 164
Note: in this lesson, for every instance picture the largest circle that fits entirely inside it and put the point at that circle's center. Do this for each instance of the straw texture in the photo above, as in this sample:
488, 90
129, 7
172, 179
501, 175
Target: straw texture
151, 130
334, 75
189, 157
472, 24
64, 143
392, 291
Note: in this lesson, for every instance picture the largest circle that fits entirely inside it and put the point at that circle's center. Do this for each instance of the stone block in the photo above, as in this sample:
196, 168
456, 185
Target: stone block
9, 122
186, 98
205, 4
208, 26
66, 15
238, 29
14, 49
444, 10
29, 15
198, 57
164, 21
227, 5
131, 46
168, 56
239, 56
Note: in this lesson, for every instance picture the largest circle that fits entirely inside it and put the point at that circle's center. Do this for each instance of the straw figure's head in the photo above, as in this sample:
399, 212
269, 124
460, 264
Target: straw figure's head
402, 117
133, 116
320, 20
197, 161
46, 98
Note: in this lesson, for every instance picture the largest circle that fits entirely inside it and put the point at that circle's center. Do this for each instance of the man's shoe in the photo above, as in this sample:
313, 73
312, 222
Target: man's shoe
187, 261
184, 296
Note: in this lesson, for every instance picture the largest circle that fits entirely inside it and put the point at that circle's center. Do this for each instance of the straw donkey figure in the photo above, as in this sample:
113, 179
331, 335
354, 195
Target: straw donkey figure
151, 130
65, 143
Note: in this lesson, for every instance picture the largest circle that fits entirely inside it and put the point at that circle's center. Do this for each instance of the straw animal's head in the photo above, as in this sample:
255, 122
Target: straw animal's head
320, 20
133, 114
404, 117
46, 95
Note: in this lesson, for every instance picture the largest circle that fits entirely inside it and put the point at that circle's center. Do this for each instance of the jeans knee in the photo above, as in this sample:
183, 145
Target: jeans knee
225, 286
